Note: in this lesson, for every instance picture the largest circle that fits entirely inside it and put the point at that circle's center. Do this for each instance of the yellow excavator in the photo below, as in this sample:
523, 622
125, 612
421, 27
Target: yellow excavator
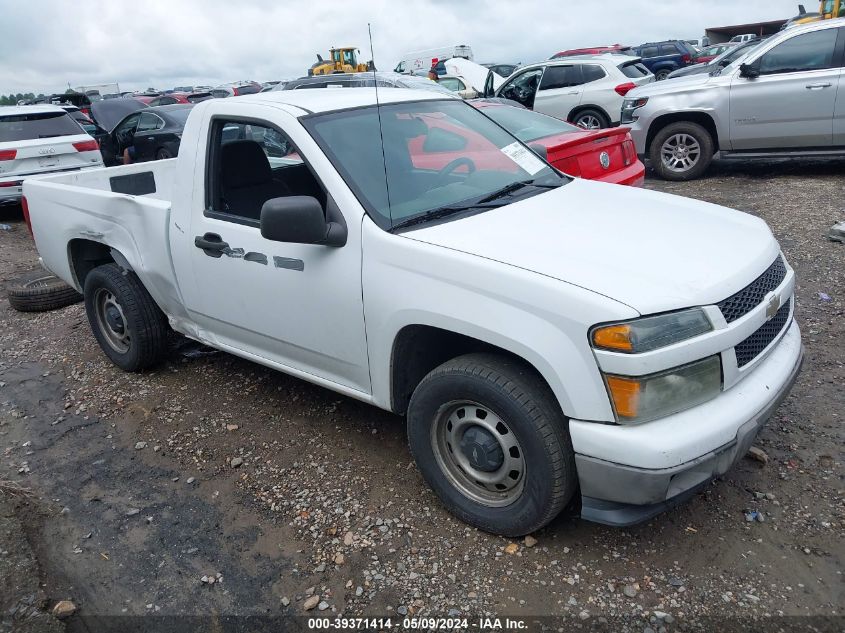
828, 10
341, 60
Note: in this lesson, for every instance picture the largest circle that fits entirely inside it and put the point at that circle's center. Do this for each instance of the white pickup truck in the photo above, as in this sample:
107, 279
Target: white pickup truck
554, 343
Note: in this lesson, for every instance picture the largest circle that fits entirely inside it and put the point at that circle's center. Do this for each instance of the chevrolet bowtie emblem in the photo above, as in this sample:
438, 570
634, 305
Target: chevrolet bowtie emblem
772, 307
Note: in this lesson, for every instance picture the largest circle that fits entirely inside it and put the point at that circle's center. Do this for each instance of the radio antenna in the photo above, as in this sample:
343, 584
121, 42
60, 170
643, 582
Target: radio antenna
378, 112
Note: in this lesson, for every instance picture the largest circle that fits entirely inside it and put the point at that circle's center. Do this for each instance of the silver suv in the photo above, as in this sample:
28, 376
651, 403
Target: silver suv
785, 98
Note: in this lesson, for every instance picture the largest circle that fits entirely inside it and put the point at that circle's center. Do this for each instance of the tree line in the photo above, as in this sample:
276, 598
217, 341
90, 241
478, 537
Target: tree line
13, 99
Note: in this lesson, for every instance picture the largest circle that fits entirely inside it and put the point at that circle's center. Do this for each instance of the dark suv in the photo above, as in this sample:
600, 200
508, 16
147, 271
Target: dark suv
661, 58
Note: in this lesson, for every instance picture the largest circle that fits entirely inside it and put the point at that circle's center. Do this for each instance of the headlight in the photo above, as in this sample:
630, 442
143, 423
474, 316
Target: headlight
650, 333
644, 398
630, 106
634, 103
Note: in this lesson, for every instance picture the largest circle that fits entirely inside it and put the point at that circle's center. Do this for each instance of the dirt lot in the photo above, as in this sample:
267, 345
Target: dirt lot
136, 499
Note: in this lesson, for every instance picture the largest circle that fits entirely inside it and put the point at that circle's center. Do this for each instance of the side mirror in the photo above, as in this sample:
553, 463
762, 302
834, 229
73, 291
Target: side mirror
749, 71
299, 220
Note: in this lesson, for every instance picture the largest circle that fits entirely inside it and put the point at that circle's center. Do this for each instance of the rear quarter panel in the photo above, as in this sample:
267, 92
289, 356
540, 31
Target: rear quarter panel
81, 206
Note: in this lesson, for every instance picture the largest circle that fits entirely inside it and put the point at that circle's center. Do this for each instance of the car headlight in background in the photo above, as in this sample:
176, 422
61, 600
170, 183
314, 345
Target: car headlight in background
629, 106
650, 333
638, 399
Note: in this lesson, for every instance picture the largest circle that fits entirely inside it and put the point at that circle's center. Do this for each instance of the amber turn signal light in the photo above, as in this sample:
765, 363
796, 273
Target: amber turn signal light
616, 337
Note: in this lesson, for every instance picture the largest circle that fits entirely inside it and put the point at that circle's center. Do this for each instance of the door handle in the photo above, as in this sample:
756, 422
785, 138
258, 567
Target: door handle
818, 86
151, 138
211, 243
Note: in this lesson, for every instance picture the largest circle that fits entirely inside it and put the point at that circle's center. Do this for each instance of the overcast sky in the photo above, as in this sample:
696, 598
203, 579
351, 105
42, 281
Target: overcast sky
46, 44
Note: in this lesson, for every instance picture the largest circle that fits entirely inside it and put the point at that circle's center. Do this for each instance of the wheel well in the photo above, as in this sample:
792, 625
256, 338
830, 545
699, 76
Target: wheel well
576, 111
85, 256
704, 120
420, 348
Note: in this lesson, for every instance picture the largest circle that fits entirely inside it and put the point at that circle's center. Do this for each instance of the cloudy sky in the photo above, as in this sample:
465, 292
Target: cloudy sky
47, 44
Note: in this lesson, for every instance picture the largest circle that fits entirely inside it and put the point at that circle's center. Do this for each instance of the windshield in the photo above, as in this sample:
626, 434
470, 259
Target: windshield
731, 57
438, 158
527, 125
21, 127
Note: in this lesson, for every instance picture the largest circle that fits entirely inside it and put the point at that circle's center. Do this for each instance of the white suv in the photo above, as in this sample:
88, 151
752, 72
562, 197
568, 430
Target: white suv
40, 139
587, 91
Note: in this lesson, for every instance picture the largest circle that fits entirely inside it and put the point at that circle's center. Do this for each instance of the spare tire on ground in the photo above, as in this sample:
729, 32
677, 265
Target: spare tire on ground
39, 291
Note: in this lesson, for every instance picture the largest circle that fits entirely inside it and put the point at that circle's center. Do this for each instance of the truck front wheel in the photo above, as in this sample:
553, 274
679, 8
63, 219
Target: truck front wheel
681, 151
490, 440
127, 323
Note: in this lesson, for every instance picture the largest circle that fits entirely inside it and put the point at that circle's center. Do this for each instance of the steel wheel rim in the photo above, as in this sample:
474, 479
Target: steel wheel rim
589, 122
680, 153
111, 321
496, 489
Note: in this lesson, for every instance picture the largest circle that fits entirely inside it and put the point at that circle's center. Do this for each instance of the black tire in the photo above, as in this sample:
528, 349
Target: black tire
143, 323
517, 396
660, 75
163, 154
702, 138
39, 291
591, 114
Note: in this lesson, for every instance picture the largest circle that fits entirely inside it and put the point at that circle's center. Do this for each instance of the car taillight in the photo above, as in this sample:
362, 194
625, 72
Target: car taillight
235, 91
86, 146
624, 89
11, 183
8, 154
629, 152
26, 219
686, 58
85, 111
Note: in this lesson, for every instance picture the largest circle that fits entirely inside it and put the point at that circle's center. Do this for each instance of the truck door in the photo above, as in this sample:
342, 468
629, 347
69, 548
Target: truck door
296, 305
791, 101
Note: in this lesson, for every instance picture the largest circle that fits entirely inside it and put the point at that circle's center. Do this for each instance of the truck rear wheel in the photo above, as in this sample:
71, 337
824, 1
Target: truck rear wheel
490, 440
681, 151
127, 323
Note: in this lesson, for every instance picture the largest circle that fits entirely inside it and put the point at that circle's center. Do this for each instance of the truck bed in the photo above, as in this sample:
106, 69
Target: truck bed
126, 208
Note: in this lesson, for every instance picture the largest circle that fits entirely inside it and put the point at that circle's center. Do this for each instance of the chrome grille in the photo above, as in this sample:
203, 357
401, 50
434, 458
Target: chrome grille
738, 305
751, 347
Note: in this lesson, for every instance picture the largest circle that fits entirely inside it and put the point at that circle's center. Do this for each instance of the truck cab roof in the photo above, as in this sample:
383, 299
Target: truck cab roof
313, 101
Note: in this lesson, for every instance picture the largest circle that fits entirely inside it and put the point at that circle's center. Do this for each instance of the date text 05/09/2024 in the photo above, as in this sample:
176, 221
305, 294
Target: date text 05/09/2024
423, 623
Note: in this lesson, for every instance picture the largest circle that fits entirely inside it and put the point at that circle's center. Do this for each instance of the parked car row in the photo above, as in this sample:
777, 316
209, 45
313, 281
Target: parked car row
661, 58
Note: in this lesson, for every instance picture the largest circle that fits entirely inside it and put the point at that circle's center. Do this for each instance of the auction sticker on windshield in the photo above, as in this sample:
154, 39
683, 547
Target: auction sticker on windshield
523, 157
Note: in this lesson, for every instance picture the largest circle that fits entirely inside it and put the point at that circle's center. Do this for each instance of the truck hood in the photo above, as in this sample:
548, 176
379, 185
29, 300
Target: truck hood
670, 86
651, 251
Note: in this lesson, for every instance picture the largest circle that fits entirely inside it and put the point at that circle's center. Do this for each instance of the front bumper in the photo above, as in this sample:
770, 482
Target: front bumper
619, 494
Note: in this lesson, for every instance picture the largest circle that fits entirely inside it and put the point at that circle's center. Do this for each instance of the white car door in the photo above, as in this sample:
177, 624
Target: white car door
560, 90
297, 305
789, 100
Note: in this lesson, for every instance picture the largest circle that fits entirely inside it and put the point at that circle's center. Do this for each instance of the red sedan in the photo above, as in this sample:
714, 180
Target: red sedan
607, 155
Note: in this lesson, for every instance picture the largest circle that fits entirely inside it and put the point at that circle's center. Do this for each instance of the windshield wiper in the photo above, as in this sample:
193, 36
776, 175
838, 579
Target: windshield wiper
491, 201
437, 214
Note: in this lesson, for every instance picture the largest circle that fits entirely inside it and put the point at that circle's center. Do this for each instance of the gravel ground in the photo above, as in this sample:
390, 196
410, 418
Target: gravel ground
215, 487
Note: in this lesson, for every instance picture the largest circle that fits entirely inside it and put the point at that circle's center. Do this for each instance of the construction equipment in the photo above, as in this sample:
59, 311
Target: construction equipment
831, 9
341, 60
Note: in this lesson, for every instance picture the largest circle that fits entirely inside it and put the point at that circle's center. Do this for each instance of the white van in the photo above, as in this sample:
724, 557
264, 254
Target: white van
420, 62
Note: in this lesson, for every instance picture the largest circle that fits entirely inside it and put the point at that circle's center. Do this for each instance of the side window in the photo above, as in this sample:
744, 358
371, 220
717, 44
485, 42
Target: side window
452, 83
149, 122
592, 72
522, 87
649, 51
668, 49
126, 130
561, 77
810, 51
249, 164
